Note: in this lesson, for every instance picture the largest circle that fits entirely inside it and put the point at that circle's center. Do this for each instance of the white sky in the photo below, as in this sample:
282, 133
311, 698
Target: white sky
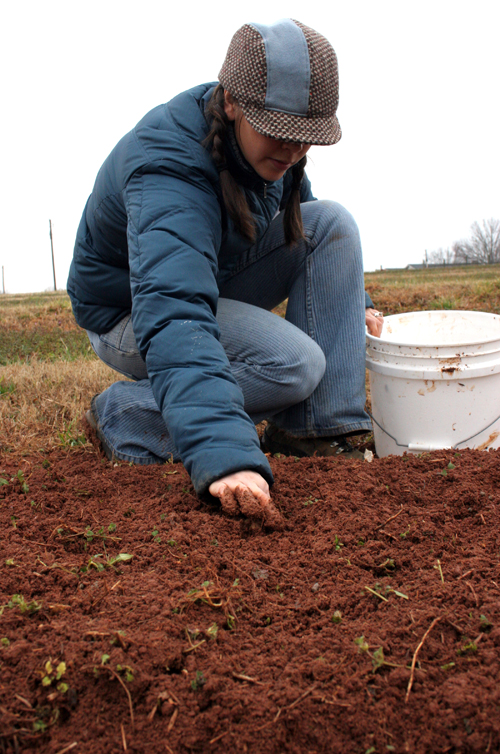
418, 162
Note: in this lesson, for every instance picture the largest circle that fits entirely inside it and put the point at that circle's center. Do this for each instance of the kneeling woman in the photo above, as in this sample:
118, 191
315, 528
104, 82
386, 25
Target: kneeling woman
201, 221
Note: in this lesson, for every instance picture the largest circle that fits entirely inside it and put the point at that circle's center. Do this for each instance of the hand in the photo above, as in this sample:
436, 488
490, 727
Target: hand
374, 322
247, 492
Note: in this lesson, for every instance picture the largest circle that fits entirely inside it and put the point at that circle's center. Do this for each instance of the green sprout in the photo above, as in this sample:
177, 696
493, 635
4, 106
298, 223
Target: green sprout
52, 675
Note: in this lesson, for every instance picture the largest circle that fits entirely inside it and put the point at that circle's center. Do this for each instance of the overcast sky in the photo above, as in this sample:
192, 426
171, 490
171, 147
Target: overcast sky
418, 162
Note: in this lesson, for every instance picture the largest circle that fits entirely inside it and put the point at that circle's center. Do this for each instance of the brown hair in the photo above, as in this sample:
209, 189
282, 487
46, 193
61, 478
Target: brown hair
234, 198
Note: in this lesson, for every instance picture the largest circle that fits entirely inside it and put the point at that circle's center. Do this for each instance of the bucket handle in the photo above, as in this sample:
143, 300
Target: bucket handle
427, 448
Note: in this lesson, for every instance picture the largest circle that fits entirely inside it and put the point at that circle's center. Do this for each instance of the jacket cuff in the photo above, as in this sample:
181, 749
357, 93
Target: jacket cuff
368, 302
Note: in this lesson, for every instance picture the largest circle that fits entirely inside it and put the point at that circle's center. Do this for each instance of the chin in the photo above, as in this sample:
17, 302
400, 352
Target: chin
272, 175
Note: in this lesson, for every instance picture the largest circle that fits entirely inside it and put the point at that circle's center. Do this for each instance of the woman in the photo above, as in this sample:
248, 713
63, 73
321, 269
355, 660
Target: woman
200, 222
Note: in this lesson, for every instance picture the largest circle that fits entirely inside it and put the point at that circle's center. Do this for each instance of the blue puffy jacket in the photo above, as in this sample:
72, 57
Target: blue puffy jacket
151, 240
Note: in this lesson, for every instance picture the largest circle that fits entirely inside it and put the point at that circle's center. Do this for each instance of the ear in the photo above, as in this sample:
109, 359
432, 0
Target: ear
230, 105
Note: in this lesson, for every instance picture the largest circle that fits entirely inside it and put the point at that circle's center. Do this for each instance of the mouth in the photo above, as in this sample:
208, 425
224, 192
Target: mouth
279, 164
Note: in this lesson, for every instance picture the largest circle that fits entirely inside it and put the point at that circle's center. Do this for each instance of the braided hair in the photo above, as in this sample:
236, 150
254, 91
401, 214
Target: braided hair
233, 196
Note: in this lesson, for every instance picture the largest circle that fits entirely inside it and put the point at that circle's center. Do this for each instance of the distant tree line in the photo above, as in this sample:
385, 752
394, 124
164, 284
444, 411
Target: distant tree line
482, 247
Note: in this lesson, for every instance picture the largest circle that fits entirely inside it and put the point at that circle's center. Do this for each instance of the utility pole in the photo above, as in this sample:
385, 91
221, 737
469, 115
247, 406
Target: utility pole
3, 278
52, 249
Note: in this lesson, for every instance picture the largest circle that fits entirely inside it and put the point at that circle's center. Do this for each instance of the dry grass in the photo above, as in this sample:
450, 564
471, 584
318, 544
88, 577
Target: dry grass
50, 373
48, 310
475, 288
42, 403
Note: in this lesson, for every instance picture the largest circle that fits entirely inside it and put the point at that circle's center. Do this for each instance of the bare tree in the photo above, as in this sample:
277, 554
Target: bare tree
441, 256
483, 247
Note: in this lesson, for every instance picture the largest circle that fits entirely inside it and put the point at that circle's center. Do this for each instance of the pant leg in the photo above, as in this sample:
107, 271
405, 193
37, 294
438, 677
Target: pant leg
322, 277
118, 349
275, 364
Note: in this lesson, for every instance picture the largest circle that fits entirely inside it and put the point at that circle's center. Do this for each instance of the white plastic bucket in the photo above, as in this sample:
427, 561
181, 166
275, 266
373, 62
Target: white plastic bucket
435, 382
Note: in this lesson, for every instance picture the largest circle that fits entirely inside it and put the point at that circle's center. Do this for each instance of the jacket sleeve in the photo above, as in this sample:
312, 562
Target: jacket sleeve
174, 232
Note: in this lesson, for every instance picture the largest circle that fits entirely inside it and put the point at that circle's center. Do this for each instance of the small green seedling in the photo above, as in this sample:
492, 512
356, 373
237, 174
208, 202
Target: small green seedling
17, 600
485, 624
337, 617
5, 642
126, 671
338, 544
199, 681
52, 675
469, 648
22, 482
310, 501
404, 533
363, 645
212, 631
378, 659
99, 565
156, 536
448, 666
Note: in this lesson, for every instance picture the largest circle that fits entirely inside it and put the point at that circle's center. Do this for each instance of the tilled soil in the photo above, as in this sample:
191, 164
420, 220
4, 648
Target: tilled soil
138, 618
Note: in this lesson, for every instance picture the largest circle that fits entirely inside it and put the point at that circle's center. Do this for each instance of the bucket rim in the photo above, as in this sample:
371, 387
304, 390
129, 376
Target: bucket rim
374, 339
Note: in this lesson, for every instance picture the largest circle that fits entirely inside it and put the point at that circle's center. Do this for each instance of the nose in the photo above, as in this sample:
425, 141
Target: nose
293, 146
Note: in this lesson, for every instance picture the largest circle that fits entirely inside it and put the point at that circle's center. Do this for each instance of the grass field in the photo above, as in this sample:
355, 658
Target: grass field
49, 373
466, 287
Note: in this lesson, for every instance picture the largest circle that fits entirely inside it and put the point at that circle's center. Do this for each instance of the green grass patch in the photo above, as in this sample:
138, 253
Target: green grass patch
41, 325
47, 345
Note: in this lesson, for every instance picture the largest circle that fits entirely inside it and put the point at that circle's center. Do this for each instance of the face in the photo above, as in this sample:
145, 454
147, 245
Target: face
270, 158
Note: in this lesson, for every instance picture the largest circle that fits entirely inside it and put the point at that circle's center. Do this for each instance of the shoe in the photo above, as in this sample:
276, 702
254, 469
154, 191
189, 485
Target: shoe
276, 440
92, 422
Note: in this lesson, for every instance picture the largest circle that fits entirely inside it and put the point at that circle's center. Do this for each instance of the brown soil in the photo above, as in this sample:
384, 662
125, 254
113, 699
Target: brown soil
370, 623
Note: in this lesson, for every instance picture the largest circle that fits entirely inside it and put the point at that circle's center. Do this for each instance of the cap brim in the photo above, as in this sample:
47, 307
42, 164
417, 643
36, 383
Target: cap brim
278, 125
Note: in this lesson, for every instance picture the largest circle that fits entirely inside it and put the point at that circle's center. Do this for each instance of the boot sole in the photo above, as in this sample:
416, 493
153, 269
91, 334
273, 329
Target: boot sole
91, 421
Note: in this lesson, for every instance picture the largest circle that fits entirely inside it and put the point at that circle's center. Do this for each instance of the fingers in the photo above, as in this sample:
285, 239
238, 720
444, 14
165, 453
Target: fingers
228, 501
251, 479
252, 504
374, 322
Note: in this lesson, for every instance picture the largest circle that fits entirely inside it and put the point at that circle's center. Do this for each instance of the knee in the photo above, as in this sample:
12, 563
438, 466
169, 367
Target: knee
307, 371
330, 218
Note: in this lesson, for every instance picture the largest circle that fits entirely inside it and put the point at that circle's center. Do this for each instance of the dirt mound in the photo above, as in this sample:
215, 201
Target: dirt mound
138, 618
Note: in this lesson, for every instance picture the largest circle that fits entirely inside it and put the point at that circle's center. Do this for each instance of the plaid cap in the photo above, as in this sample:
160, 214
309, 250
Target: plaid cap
285, 79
